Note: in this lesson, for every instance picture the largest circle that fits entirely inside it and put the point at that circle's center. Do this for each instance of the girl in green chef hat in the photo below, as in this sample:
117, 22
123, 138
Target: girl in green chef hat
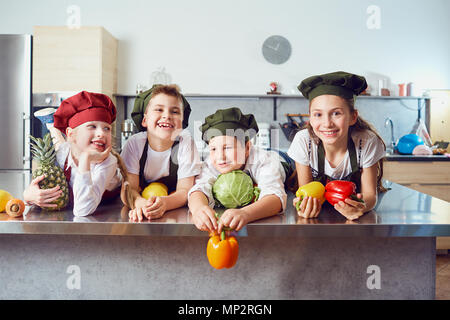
161, 152
337, 144
228, 133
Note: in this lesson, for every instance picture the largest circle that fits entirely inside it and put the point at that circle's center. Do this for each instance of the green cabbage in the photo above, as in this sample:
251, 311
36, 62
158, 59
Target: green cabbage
234, 189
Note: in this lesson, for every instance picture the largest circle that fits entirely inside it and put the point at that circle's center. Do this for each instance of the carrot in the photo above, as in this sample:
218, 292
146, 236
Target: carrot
15, 208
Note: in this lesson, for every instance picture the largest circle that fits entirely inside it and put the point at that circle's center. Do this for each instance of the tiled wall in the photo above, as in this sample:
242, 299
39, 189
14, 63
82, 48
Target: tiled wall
403, 113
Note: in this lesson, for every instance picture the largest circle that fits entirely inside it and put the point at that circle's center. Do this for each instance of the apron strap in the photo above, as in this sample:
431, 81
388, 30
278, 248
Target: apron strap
142, 161
353, 161
171, 180
352, 153
68, 175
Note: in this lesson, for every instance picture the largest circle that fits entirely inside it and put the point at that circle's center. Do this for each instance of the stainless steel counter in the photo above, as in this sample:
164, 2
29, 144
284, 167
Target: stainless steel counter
401, 212
408, 157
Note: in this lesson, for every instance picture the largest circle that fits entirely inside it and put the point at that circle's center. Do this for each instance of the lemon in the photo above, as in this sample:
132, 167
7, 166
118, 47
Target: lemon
5, 196
156, 189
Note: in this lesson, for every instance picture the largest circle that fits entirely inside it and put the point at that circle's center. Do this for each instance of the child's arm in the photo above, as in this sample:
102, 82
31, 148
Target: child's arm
87, 157
354, 209
203, 215
237, 218
89, 186
310, 207
57, 137
140, 203
267, 172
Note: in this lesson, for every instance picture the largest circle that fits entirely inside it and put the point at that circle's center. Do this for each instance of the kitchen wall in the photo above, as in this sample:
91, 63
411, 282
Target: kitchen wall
402, 112
214, 47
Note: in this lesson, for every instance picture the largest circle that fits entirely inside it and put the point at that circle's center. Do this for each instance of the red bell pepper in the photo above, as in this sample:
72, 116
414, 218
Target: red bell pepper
339, 190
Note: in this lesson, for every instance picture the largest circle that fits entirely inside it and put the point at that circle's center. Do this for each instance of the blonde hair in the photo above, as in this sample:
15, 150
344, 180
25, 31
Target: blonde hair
359, 126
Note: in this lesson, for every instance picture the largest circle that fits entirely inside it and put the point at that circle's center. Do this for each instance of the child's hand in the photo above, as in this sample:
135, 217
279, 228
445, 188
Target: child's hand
157, 208
309, 207
141, 209
204, 219
351, 209
153, 208
93, 156
41, 197
234, 219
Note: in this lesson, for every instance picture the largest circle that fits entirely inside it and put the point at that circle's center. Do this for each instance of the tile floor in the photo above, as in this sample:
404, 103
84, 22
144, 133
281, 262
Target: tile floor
443, 277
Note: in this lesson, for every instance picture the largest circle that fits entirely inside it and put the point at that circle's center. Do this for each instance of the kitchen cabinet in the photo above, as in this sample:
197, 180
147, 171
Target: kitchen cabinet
429, 177
67, 59
440, 115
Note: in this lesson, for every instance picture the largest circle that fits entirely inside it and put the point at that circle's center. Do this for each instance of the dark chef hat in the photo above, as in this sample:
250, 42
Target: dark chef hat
83, 107
142, 101
340, 83
220, 123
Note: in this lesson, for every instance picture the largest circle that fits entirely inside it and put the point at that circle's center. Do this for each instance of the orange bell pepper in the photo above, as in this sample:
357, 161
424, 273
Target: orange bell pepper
222, 251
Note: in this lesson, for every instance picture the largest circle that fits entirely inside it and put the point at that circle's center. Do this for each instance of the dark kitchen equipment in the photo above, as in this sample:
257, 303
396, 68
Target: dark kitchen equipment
291, 127
441, 144
42, 101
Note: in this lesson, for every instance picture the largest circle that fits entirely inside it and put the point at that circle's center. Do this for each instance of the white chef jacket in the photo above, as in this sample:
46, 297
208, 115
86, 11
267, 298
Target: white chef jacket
263, 166
158, 163
369, 150
88, 187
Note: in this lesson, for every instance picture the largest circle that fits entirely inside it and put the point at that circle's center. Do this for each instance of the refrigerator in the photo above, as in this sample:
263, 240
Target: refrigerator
15, 101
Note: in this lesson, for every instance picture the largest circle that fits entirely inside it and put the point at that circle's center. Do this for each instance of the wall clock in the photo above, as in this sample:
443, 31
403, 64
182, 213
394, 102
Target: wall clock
276, 49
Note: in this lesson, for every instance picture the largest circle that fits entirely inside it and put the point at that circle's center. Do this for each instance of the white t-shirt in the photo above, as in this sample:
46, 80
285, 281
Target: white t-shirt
88, 187
369, 150
158, 163
263, 166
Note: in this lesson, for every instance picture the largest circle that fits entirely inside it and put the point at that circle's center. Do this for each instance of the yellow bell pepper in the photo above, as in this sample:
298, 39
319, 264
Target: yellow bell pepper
313, 189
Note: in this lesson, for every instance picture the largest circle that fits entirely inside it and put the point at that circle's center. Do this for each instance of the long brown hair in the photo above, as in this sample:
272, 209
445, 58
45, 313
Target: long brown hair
359, 126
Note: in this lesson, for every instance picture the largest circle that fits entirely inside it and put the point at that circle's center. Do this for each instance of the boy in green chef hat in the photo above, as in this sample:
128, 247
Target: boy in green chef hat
228, 133
337, 144
161, 152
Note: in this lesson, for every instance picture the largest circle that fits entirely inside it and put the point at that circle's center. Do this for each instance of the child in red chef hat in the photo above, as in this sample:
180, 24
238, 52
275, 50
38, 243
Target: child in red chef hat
85, 157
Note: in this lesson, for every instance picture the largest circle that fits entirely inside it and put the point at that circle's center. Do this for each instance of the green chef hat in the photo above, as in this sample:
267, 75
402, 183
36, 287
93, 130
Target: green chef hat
229, 121
340, 83
141, 103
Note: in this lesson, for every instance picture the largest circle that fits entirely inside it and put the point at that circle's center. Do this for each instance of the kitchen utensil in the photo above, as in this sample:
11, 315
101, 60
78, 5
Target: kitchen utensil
45, 115
127, 130
407, 143
263, 136
410, 90
422, 149
441, 144
401, 89
291, 127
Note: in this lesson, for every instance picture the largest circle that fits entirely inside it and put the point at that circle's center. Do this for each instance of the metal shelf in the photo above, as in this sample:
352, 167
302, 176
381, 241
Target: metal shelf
275, 98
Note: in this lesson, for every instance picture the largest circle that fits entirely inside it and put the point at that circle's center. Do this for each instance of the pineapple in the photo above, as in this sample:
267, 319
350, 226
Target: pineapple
44, 153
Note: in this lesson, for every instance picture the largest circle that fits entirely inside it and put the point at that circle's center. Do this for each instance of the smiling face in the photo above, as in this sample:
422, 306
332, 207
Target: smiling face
330, 119
164, 117
226, 153
91, 135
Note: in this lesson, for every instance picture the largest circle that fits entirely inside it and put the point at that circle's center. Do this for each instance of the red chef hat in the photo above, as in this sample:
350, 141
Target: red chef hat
83, 107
